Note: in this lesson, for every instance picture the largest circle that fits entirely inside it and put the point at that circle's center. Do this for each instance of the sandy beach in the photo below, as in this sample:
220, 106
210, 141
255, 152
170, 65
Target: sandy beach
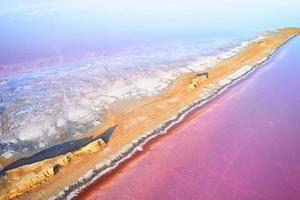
139, 120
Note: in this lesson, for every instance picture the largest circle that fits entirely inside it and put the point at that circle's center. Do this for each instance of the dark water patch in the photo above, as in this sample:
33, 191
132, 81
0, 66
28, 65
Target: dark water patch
59, 149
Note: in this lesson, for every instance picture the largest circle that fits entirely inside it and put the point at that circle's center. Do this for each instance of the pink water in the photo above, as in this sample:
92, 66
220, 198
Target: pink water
245, 144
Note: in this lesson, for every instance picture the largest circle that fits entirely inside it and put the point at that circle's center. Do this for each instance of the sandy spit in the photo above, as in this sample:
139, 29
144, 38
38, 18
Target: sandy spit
211, 91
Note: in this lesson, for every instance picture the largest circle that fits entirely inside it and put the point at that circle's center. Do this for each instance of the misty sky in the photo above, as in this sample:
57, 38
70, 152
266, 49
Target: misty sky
33, 28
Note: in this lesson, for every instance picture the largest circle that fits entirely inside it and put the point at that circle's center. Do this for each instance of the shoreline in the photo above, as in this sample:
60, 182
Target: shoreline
196, 151
123, 146
136, 146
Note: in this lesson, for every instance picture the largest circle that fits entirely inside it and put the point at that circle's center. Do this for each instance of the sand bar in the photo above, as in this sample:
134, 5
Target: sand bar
140, 119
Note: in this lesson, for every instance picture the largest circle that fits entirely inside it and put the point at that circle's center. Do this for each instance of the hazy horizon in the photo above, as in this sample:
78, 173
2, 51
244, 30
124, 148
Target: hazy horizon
31, 30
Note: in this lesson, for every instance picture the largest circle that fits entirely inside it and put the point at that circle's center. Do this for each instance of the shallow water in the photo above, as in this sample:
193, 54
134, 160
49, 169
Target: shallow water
245, 144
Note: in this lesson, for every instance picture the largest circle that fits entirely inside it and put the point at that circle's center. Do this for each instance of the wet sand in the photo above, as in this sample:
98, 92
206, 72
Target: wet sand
245, 144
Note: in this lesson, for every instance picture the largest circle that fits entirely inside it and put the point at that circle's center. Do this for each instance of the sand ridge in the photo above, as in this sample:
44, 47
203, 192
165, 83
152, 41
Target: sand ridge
134, 117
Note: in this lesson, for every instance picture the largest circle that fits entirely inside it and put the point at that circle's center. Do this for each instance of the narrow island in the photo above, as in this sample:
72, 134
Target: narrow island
129, 124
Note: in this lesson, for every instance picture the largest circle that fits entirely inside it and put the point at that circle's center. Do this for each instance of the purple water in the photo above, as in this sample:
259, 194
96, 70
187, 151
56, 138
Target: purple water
45, 34
245, 144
